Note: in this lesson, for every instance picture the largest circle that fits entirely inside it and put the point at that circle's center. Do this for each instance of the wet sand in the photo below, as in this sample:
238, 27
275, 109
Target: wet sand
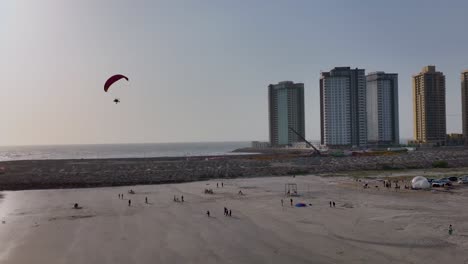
367, 225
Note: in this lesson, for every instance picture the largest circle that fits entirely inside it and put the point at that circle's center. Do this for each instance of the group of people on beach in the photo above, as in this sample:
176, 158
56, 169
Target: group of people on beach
290, 200
176, 199
121, 196
388, 184
227, 212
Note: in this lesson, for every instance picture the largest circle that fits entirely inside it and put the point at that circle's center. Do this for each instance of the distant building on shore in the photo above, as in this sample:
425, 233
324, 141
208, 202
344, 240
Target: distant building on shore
343, 117
286, 109
260, 144
455, 139
429, 107
464, 97
382, 109
300, 145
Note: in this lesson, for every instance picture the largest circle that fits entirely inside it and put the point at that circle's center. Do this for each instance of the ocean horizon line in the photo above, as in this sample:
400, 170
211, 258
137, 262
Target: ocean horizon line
127, 143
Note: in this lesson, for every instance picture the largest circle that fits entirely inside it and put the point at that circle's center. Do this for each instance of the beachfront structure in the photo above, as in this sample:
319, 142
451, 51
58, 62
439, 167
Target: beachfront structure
382, 108
343, 118
286, 109
455, 139
464, 97
429, 107
260, 145
300, 145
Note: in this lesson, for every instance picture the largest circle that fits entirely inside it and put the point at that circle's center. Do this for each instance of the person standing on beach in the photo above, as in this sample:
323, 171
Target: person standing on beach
330, 204
182, 198
146, 200
225, 211
217, 185
282, 202
174, 198
450, 230
333, 204
129, 202
208, 213
291, 202
230, 213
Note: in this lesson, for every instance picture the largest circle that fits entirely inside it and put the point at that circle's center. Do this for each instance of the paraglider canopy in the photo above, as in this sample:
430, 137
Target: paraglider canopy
301, 205
112, 80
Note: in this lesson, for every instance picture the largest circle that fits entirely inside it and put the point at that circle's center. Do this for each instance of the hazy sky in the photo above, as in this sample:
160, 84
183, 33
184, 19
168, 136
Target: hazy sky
199, 69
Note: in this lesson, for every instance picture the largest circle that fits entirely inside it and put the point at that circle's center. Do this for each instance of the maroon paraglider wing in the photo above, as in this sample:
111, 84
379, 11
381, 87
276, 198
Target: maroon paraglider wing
112, 80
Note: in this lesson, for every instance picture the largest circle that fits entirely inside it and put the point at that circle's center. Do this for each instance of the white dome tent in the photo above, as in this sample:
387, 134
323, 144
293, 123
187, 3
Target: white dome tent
420, 182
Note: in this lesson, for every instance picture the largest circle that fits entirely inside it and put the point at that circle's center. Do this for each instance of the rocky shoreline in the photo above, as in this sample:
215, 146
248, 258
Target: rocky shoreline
52, 174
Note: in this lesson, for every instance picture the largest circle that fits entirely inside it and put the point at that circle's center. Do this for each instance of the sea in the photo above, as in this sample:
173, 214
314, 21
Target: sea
105, 151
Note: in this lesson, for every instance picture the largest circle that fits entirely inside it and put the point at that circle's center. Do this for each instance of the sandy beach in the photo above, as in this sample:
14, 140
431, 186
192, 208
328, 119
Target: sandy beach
366, 226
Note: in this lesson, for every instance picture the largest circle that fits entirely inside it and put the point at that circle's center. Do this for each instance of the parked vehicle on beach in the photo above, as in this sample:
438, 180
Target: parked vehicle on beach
453, 178
446, 180
440, 183
436, 183
463, 180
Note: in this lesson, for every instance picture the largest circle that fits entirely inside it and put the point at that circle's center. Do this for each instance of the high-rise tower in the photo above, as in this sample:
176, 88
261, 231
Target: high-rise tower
286, 109
429, 107
343, 117
464, 96
382, 108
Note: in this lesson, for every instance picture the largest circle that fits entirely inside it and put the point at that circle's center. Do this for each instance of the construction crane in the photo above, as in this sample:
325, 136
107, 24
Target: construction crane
308, 143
